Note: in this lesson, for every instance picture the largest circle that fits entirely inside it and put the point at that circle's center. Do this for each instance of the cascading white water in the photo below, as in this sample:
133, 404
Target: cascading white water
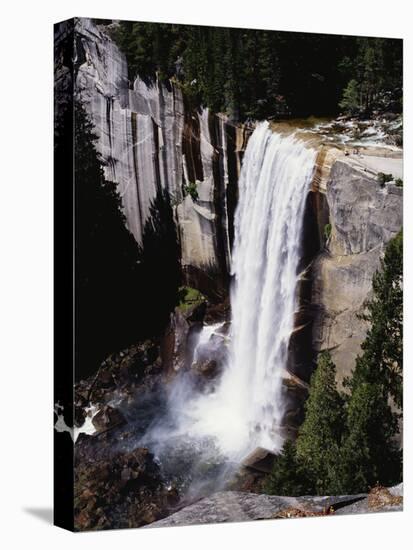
204, 337
246, 409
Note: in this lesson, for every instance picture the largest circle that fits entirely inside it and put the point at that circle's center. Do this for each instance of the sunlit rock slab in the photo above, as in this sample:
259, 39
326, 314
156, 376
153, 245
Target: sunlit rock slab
364, 217
229, 506
374, 164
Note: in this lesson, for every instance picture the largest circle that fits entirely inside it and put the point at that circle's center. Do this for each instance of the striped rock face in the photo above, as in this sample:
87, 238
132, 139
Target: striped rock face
150, 141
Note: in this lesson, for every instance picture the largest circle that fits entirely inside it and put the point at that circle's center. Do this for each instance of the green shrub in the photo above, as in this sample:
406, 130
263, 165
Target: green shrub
191, 189
327, 231
399, 182
189, 297
383, 178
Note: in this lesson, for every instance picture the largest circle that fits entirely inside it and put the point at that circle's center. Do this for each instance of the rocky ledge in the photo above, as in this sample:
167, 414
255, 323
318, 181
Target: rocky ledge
229, 506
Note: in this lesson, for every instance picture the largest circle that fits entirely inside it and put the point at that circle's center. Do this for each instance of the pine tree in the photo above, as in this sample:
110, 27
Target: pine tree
319, 438
348, 445
250, 73
287, 476
351, 98
122, 295
269, 70
372, 69
107, 271
369, 454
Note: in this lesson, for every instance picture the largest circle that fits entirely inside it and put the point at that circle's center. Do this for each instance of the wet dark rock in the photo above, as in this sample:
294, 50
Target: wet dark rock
219, 312
106, 379
79, 410
180, 338
126, 369
107, 419
260, 459
125, 490
207, 369
127, 392
196, 313
395, 138
174, 343
224, 329
210, 361
253, 472
295, 393
389, 116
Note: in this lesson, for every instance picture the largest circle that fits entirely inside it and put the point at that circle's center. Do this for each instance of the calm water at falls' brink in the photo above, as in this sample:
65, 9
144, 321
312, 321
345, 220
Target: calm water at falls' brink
246, 408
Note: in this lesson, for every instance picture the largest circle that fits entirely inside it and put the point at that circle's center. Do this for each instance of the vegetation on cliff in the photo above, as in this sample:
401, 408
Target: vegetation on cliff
382, 359
347, 443
376, 81
122, 292
263, 74
188, 298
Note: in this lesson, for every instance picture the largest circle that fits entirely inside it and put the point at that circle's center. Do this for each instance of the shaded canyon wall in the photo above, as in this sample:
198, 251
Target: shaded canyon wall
150, 140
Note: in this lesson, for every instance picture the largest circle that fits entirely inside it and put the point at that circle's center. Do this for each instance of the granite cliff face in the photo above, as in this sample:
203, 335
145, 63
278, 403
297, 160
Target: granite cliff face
150, 140
364, 217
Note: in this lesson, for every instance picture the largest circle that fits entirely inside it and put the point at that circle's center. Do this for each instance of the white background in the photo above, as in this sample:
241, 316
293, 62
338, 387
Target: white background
26, 324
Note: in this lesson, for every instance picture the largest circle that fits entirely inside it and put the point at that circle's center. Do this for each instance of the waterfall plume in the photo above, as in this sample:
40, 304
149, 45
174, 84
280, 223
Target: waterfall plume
246, 409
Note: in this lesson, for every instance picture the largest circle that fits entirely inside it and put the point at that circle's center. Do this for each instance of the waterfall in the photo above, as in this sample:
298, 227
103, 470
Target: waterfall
204, 339
246, 409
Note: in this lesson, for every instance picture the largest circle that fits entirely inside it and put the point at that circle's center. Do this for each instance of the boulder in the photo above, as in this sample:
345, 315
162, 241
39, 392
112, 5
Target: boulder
261, 460
209, 356
248, 480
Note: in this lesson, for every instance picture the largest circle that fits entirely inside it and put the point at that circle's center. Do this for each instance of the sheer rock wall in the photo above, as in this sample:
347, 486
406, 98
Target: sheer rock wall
364, 217
150, 140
